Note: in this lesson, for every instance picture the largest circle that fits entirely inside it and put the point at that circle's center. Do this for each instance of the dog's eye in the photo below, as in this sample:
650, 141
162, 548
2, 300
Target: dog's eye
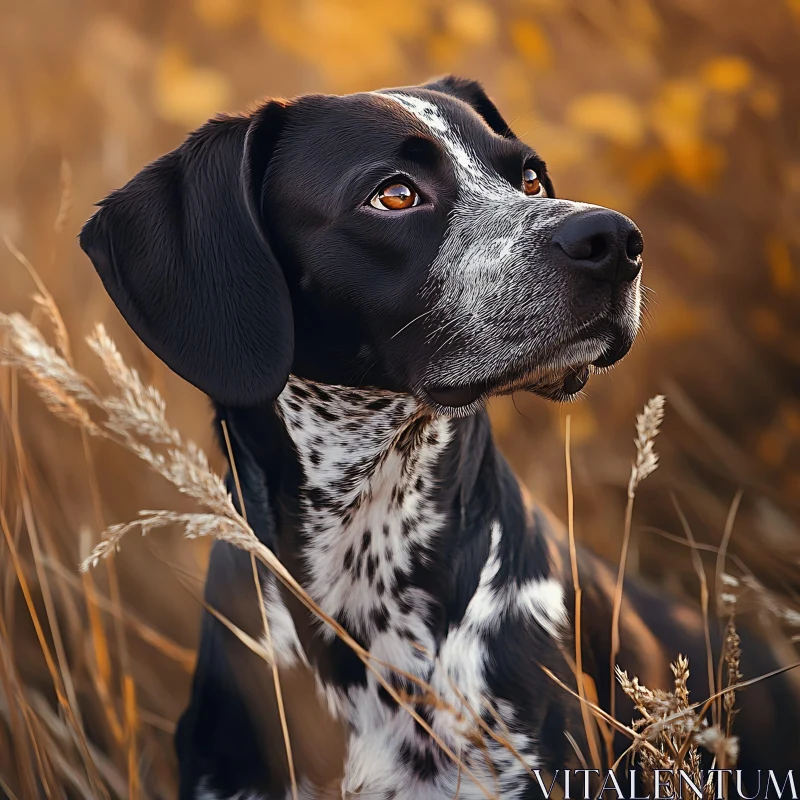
531, 184
394, 197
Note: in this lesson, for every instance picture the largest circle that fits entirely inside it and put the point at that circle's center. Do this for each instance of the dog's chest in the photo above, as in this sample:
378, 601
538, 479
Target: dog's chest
369, 518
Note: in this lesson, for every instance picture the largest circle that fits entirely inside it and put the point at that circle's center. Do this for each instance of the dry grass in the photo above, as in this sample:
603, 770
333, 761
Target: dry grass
57, 754
648, 424
591, 736
670, 731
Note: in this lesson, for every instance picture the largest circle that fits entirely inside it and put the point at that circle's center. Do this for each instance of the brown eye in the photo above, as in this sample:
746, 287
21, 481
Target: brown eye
531, 184
394, 197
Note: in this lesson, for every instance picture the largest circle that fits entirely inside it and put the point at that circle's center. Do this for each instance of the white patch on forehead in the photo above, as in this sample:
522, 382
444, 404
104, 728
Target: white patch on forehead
469, 166
423, 110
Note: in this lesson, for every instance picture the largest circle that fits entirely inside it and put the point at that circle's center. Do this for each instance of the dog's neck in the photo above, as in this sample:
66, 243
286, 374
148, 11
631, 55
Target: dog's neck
370, 507
384, 510
407, 527
352, 443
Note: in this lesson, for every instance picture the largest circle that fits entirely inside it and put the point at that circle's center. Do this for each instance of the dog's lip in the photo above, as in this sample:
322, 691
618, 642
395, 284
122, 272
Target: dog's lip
575, 379
465, 397
617, 348
457, 397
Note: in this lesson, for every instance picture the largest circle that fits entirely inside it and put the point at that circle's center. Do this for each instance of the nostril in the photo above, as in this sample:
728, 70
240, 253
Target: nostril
634, 246
591, 236
598, 247
594, 247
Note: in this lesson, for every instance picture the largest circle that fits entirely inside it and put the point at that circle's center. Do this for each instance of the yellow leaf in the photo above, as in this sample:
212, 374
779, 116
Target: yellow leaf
472, 22
186, 94
728, 74
220, 13
780, 264
613, 116
698, 164
531, 42
765, 102
676, 113
677, 119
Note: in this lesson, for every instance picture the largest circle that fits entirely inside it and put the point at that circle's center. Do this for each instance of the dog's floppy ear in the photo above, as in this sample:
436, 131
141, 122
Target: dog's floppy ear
182, 251
473, 94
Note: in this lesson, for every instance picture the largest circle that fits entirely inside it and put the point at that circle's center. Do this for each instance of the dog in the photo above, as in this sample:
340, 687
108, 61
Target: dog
349, 278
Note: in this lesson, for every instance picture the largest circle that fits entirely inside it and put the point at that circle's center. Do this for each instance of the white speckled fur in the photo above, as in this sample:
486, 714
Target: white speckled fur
369, 454
378, 472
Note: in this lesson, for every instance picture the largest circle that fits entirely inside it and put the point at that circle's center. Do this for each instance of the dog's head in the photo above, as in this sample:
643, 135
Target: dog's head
404, 239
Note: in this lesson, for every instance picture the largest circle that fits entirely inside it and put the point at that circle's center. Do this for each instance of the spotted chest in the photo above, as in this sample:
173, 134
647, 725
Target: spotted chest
369, 518
367, 510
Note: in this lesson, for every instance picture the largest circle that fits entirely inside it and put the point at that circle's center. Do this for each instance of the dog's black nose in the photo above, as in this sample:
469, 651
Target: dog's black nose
602, 243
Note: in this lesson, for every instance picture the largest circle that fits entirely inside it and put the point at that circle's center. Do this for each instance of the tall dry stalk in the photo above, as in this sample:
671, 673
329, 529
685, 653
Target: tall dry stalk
589, 729
699, 569
276, 680
648, 424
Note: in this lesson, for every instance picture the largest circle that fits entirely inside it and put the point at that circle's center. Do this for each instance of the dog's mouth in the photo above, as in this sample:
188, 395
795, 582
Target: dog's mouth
561, 386
555, 383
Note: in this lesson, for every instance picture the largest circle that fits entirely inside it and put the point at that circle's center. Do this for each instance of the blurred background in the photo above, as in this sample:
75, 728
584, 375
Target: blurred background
683, 114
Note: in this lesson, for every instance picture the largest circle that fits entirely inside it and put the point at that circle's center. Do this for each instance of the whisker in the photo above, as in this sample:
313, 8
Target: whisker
408, 324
